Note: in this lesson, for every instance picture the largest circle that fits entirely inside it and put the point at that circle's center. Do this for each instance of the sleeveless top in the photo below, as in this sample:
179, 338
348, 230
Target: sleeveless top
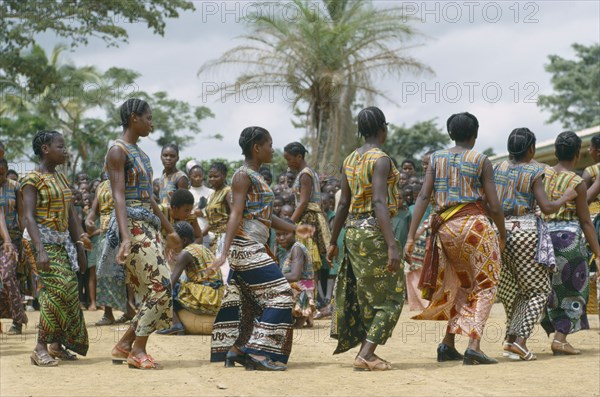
168, 184
307, 271
53, 199
555, 184
594, 171
457, 178
216, 210
202, 258
315, 196
138, 174
8, 204
105, 203
358, 169
514, 184
258, 208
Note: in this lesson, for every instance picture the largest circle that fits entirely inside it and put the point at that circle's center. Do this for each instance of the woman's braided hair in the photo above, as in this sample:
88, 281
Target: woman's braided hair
251, 136
462, 126
519, 142
295, 149
567, 145
41, 138
133, 105
371, 120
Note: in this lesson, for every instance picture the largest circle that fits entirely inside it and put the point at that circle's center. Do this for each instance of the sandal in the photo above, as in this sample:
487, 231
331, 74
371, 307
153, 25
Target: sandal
565, 349
360, 364
120, 356
506, 346
15, 330
62, 354
42, 359
146, 362
524, 355
104, 321
123, 319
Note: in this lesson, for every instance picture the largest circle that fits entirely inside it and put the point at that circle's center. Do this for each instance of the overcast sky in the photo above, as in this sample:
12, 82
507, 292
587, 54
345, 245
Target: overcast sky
488, 59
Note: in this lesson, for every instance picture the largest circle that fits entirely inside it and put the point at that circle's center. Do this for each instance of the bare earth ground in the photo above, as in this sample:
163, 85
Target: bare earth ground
313, 370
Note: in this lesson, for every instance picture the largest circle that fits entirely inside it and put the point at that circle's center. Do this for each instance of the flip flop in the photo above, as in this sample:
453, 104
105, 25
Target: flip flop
146, 362
360, 364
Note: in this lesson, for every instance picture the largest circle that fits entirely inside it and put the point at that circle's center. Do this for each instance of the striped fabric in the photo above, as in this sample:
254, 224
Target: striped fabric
168, 184
8, 203
259, 200
138, 173
457, 178
555, 184
195, 270
358, 169
216, 210
514, 184
594, 171
315, 196
53, 198
105, 203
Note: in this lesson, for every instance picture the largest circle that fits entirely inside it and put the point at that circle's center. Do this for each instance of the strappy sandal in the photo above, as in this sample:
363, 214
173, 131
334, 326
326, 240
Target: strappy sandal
146, 362
62, 354
42, 359
104, 321
507, 352
360, 364
120, 356
524, 355
565, 349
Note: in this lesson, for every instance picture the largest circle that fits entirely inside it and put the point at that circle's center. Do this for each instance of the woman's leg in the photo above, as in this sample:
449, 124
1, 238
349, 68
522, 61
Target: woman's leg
92, 288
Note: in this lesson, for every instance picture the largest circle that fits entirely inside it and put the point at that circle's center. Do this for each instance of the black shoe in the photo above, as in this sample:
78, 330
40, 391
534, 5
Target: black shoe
447, 353
473, 357
232, 357
265, 364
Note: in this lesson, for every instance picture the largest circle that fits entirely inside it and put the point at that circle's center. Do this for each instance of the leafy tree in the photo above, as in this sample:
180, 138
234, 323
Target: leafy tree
411, 142
324, 60
576, 99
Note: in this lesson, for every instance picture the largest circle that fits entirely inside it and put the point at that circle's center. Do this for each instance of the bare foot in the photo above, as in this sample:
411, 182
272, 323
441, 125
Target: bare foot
92, 307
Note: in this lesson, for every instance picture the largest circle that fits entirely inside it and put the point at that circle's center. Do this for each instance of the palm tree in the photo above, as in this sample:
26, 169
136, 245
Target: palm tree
327, 57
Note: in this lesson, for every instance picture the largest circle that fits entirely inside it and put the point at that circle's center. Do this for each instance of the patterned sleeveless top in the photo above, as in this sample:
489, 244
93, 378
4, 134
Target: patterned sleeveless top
216, 210
315, 196
168, 184
8, 204
555, 184
594, 171
308, 272
138, 174
105, 203
358, 169
53, 199
259, 200
514, 184
457, 178
203, 258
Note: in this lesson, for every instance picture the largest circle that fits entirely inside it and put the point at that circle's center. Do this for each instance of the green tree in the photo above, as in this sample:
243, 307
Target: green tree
325, 59
576, 99
411, 142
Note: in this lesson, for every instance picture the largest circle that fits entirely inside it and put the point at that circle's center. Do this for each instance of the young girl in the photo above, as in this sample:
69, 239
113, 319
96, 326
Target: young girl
171, 178
52, 228
298, 271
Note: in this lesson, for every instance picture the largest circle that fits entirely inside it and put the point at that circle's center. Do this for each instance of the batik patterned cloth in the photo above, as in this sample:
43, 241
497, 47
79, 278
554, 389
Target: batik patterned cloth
10, 285
368, 298
303, 289
168, 184
468, 275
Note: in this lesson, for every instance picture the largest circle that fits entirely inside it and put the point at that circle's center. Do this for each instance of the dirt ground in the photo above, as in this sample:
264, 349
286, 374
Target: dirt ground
313, 370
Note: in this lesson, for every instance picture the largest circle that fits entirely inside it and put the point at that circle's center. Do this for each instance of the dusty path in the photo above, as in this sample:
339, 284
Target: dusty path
313, 370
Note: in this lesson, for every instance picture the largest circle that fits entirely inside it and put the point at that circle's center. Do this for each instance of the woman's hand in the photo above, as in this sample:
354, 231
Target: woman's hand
87, 243
408, 250
214, 267
393, 259
43, 262
305, 231
502, 243
124, 251
174, 242
332, 252
90, 226
9, 250
570, 194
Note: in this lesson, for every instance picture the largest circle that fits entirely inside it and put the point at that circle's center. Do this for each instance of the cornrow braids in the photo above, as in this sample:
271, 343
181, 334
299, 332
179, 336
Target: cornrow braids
519, 142
251, 136
41, 138
567, 145
596, 141
170, 146
295, 149
184, 230
462, 126
219, 167
133, 105
371, 120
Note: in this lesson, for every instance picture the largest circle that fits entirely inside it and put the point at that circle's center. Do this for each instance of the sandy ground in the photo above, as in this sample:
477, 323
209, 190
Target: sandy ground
313, 370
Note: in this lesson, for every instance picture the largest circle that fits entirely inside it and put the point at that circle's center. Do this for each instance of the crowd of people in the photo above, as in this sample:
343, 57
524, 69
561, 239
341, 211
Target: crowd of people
265, 257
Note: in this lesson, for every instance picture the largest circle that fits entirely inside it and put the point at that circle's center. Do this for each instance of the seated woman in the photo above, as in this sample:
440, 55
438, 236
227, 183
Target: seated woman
297, 269
201, 293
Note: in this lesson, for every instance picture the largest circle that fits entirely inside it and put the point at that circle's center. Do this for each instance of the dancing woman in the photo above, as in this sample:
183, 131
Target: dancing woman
565, 313
52, 227
254, 325
527, 259
369, 292
463, 243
